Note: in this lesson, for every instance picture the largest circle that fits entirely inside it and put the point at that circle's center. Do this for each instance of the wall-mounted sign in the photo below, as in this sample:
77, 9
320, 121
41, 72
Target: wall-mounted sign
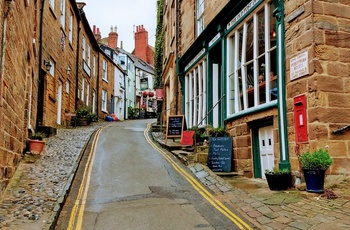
242, 13
212, 41
195, 59
299, 66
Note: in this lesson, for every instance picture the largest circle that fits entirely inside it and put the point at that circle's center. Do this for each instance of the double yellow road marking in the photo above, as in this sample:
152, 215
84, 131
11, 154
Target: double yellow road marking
76, 217
79, 205
199, 187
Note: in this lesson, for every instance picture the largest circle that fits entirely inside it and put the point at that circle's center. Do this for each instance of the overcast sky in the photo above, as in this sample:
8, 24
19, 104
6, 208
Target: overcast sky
126, 15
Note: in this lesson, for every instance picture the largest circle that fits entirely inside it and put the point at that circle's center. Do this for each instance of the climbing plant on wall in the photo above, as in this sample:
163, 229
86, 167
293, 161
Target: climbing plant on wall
158, 56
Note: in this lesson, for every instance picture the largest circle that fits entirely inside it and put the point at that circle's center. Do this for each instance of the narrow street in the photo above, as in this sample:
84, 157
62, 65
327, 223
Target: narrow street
123, 182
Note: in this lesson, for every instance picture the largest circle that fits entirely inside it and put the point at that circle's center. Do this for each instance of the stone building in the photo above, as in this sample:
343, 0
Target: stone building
18, 81
274, 73
51, 64
59, 40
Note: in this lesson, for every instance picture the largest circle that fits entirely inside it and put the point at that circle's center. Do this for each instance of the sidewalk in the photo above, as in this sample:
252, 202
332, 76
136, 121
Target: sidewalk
291, 209
33, 198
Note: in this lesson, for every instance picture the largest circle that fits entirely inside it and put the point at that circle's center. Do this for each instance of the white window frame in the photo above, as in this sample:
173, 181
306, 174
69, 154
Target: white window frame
84, 48
196, 95
87, 94
104, 101
52, 4
63, 13
237, 65
104, 70
200, 16
52, 69
88, 57
94, 67
67, 86
82, 89
70, 32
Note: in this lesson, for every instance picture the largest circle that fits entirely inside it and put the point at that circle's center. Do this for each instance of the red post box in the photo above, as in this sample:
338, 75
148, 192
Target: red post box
300, 121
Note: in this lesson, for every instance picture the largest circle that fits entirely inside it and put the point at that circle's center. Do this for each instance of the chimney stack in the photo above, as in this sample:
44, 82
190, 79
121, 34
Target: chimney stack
113, 38
96, 32
141, 43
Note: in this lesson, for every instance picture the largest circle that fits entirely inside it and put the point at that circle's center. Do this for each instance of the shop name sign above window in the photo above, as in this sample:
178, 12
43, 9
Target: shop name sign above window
195, 59
299, 66
243, 13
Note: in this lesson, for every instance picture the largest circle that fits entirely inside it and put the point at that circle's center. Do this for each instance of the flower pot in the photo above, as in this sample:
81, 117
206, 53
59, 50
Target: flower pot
83, 121
314, 179
36, 146
278, 182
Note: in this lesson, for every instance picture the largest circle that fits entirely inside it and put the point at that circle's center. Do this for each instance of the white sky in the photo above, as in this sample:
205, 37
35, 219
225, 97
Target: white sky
126, 15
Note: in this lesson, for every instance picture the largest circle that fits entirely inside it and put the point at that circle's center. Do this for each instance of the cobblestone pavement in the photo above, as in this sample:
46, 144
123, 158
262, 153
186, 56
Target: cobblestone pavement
288, 210
33, 198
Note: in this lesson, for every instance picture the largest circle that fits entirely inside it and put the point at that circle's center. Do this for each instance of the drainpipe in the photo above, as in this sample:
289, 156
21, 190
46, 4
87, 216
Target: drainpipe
77, 59
40, 77
177, 55
3, 48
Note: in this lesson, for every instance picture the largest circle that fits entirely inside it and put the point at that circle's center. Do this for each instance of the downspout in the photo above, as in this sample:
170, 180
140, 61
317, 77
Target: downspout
40, 77
3, 48
77, 60
177, 55
98, 80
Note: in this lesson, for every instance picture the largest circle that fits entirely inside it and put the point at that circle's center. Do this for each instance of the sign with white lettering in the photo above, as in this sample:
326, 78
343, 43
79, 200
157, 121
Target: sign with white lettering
220, 154
299, 66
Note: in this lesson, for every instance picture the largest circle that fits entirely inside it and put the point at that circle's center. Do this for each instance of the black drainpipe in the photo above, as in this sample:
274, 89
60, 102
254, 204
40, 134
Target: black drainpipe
77, 60
40, 106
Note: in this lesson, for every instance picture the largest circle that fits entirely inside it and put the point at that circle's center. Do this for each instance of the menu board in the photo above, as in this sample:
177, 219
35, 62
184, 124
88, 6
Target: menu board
220, 154
175, 125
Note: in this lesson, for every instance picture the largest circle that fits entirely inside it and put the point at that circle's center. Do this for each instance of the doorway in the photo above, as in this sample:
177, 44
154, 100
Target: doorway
262, 146
266, 144
59, 103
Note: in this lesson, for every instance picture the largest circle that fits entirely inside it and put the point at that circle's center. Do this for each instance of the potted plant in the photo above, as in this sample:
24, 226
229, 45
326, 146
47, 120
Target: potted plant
36, 142
215, 132
278, 179
314, 167
83, 116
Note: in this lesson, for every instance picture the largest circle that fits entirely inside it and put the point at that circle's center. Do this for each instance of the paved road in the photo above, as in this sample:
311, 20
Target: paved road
130, 185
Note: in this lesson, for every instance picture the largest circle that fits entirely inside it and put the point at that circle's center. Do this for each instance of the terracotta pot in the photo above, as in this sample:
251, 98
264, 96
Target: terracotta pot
36, 146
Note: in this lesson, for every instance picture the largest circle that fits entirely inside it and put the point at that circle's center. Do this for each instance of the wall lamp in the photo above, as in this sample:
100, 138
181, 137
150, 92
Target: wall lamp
68, 69
47, 65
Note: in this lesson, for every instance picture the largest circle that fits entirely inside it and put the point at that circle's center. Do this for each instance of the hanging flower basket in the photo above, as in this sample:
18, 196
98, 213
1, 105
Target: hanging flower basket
151, 94
145, 94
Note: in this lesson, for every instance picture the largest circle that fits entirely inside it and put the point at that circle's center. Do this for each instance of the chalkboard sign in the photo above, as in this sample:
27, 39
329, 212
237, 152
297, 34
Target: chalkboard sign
174, 126
220, 154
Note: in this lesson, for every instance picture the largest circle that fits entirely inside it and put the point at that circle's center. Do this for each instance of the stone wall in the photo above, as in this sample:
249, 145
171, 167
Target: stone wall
19, 82
241, 131
323, 31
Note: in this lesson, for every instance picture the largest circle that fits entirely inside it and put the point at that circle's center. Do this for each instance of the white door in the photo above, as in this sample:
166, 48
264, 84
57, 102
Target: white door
59, 103
266, 149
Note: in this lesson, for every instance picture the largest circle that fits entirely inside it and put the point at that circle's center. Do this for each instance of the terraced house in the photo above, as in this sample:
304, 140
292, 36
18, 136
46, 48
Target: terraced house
51, 65
274, 73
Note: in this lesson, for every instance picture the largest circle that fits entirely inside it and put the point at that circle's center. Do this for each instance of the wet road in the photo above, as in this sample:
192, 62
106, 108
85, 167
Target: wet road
124, 183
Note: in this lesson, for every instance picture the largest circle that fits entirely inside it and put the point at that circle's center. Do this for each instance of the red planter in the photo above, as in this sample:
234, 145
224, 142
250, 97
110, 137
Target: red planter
36, 146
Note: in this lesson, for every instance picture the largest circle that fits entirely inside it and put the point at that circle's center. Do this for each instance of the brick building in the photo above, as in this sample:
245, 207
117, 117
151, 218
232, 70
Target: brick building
274, 73
142, 49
